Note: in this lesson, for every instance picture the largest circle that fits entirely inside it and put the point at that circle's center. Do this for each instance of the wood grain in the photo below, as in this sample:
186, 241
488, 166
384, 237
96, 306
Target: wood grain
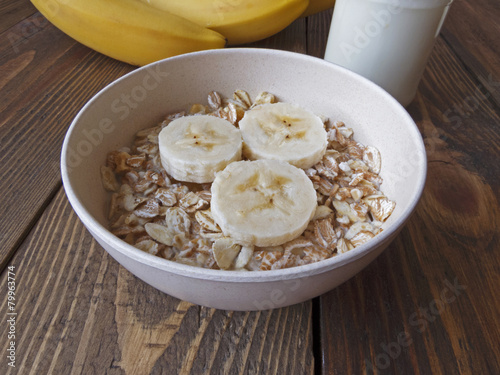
473, 30
13, 12
82, 313
45, 80
318, 27
415, 310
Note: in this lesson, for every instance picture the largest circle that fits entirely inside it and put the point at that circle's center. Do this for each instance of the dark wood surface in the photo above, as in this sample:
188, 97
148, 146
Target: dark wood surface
428, 305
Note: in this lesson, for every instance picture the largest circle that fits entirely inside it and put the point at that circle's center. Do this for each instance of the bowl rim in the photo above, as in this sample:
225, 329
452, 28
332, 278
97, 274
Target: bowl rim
100, 231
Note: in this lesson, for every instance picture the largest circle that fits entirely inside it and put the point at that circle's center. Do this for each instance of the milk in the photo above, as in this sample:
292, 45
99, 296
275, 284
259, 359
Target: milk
387, 41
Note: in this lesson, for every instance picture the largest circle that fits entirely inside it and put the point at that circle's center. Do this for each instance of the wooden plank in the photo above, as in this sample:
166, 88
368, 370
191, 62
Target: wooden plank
318, 28
472, 30
422, 307
13, 12
81, 312
45, 79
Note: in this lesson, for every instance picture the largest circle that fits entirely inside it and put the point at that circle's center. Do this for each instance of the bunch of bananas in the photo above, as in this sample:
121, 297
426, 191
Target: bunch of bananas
142, 31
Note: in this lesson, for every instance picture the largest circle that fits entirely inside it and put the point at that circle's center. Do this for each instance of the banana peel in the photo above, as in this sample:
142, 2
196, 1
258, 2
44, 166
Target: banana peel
240, 21
316, 6
128, 30
139, 32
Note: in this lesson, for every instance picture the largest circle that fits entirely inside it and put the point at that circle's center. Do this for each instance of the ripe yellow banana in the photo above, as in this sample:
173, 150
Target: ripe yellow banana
128, 30
240, 21
316, 6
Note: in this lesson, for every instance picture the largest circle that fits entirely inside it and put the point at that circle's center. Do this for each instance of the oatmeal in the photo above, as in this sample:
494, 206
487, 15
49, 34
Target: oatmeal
173, 219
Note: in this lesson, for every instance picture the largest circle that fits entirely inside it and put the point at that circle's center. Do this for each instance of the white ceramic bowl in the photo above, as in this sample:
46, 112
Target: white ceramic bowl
140, 99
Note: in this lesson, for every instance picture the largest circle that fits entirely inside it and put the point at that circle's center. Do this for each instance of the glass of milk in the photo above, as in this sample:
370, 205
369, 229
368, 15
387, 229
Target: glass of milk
386, 41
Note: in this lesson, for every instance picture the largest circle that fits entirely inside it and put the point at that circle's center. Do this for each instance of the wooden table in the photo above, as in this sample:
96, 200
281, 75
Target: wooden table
428, 305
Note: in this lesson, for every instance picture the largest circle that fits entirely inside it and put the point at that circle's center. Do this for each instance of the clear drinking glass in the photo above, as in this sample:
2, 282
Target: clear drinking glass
386, 41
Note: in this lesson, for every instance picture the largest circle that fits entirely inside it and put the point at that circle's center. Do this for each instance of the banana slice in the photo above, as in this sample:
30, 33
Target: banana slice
262, 202
195, 148
283, 131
